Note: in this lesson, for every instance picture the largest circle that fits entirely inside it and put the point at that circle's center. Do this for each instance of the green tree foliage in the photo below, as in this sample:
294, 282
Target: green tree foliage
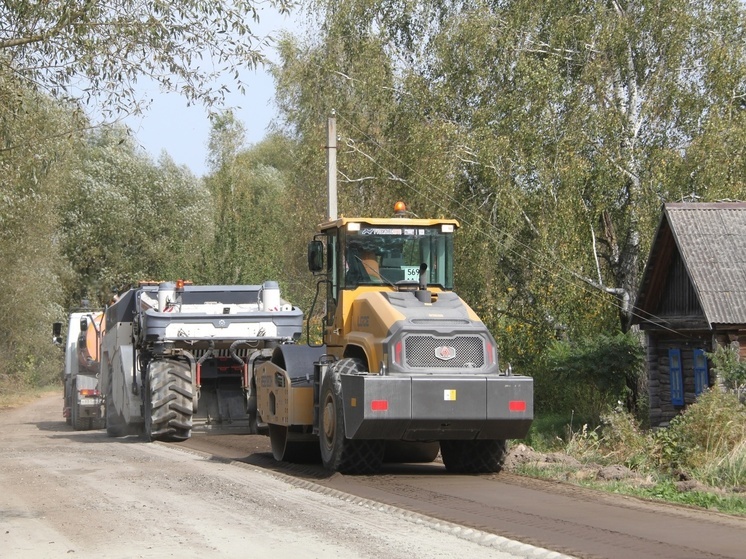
33, 175
315, 81
125, 218
259, 227
730, 369
226, 140
552, 130
97, 49
590, 376
80, 214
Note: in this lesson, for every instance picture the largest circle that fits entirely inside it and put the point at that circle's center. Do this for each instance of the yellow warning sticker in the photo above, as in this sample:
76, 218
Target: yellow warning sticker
353, 402
449, 395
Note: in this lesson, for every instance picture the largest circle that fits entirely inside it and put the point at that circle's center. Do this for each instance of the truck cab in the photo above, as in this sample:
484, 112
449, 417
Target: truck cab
390, 299
82, 400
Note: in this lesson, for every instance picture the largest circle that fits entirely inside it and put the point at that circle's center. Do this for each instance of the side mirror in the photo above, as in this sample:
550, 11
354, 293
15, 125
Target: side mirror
316, 256
57, 333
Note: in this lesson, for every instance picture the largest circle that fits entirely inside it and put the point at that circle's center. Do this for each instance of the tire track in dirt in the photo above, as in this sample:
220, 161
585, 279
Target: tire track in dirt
568, 519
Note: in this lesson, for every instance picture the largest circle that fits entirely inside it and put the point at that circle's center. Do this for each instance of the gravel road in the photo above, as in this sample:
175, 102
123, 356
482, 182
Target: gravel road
82, 494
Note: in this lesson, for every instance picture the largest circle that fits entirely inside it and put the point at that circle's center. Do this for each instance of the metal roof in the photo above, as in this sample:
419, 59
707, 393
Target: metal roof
711, 239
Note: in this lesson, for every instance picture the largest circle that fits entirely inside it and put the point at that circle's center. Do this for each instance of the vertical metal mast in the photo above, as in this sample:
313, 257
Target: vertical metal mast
331, 166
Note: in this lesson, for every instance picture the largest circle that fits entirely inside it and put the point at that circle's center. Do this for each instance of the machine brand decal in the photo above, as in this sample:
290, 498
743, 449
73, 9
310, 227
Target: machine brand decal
222, 323
380, 231
445, 353
449, 395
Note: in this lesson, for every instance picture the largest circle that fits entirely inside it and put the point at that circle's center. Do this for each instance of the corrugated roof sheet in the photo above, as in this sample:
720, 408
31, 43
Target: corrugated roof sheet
711, 239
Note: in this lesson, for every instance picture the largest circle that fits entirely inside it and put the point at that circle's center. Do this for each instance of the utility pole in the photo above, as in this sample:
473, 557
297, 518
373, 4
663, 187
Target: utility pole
331, 166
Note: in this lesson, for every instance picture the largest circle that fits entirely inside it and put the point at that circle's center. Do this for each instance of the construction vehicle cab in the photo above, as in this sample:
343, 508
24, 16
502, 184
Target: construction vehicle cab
365, 257
82, 399
406, 368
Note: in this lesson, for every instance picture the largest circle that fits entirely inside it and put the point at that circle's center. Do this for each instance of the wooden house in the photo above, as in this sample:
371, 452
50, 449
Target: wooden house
692, 297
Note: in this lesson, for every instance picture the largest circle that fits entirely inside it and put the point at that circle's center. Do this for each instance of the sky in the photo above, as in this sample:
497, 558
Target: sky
170, 125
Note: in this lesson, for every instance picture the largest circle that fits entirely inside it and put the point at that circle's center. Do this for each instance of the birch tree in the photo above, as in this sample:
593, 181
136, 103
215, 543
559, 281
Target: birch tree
96, 50
126, 218
558, 129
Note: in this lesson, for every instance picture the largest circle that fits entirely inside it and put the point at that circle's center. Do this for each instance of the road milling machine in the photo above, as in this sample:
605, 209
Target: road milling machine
82, 401
406, 368
176, 356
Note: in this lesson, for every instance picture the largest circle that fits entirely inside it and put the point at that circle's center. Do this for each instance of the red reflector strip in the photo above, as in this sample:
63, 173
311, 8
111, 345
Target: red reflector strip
517, 405
379, 405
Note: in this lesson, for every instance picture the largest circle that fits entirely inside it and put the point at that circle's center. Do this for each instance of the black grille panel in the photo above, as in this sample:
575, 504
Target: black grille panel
225, 352
420, 352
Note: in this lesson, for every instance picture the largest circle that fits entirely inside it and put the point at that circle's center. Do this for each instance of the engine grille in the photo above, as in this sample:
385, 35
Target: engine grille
422, 351
225, 352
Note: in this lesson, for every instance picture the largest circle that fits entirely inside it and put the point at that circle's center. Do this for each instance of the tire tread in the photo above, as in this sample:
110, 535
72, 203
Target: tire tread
170, 409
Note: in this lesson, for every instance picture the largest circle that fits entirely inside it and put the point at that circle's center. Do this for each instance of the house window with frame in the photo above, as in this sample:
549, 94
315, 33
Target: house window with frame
701, 377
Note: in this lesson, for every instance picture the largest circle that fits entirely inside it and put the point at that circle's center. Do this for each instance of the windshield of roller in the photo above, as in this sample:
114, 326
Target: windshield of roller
392, 255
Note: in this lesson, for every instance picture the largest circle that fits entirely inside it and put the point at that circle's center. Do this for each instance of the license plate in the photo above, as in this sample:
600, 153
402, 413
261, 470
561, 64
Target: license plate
89, 401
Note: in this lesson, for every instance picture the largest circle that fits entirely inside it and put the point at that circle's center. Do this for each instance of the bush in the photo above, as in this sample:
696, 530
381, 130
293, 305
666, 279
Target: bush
709, 432
730, 369
551, 431
707, 442
592, 375
624, 440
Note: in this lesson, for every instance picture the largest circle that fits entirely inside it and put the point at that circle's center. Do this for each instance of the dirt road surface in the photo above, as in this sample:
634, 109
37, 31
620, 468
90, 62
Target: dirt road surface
65, 493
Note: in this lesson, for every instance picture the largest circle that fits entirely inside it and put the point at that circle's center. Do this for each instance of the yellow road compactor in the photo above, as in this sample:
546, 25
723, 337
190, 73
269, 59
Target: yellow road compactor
406, 368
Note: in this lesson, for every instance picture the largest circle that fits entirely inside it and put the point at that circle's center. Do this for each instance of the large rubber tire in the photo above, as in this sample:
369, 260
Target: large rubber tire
473, 457
168, 402
339, 453
67, 405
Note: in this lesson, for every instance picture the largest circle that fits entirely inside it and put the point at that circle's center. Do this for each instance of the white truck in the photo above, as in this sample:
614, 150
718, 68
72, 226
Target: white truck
82, 400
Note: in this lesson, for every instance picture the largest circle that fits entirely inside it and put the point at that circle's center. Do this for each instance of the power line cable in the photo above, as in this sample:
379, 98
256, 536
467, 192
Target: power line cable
478, 219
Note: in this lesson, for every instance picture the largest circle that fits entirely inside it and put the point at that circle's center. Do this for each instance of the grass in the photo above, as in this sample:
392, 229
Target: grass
663, 490
667, 492
705, 445
549, 432
16, 395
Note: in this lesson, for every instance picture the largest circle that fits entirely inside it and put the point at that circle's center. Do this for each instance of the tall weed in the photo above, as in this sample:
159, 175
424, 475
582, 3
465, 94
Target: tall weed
618, 440
707, 442
729, 471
